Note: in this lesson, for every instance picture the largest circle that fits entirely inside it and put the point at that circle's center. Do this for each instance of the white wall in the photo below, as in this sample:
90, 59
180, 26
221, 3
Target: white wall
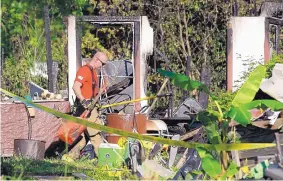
146, 50
72, 56
248, 44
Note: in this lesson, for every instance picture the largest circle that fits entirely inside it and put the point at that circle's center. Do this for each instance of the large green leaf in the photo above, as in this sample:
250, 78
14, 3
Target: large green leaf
209, 164
243, 116
272, 104
209, 120
206, 118
232, 169
202, 152
166, 73
212, 132
184, 82
250, 87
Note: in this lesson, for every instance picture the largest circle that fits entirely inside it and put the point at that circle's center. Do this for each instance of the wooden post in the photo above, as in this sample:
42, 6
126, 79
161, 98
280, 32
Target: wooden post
205, 78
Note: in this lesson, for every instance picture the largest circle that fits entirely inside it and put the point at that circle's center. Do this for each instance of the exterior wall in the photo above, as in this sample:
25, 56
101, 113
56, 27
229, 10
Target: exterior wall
247, 41
14, 124
146, 50
74, 62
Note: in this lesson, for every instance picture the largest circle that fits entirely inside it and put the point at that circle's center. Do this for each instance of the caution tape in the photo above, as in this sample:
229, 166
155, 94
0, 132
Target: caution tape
219, 147
127, 102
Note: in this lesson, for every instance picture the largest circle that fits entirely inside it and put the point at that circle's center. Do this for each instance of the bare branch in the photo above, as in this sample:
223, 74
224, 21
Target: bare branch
181, 32
187, 33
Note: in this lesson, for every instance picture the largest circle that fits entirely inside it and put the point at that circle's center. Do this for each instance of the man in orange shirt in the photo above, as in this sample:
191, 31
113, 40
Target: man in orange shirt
86, 82
86, 88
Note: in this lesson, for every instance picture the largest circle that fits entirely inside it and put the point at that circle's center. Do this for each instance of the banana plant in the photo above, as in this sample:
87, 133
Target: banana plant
217, 166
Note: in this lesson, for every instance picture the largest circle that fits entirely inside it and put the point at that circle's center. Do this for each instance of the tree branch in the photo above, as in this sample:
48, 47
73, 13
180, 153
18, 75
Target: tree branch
181, 32
187, 34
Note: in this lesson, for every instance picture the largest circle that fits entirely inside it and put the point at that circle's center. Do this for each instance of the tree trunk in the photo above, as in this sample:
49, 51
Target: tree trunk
48, 48
188, 67
236, 7
205, 79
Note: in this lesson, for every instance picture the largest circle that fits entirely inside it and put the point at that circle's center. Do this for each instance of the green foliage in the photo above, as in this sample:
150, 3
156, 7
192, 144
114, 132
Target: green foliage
119, 7
12, 14
15, 76
212, 133
90, 42
40, 80
246, 8
210, 165
250, 87
23, 36
257, 171
184, 81
197, 29
206, 118
232, 169
240, 115
115, 40
270, 65
224, 99
215, 121
22, 168
272, 104
59, 54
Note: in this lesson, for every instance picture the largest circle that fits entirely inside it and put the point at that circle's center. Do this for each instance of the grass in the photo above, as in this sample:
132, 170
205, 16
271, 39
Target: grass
16, 168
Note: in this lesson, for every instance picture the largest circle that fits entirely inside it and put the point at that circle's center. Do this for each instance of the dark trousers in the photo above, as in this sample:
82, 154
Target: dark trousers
78, 108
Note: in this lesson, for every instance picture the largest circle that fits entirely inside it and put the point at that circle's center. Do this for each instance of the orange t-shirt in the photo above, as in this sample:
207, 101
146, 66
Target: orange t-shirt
84, 76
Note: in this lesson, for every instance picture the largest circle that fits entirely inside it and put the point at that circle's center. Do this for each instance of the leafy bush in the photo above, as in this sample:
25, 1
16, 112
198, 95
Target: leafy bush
224, 99
15, 76
59, 54
40, 80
